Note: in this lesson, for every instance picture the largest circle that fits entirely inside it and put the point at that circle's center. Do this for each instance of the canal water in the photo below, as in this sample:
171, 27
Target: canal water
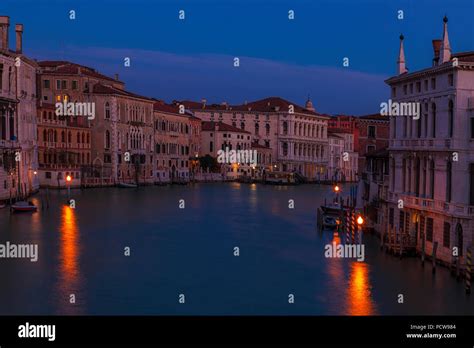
190, 251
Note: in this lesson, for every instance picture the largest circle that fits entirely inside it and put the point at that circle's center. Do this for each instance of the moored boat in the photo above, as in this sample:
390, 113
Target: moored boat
127, 185
23, 206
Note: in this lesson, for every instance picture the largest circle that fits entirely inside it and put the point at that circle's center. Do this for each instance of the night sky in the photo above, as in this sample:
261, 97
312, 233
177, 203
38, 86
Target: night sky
193, 59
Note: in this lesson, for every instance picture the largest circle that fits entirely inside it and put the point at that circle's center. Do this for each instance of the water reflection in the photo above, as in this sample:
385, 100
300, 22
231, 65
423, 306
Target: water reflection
69, 276
359, 294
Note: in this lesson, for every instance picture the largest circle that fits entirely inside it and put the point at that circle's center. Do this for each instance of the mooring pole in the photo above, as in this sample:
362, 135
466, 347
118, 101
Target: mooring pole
468, 270
433, 256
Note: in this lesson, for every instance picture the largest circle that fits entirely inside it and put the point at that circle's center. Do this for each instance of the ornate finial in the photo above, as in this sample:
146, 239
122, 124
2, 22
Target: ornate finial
402, 37
445, 19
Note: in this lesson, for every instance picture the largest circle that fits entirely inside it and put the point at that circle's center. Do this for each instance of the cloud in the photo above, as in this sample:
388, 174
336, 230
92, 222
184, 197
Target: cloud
171, 76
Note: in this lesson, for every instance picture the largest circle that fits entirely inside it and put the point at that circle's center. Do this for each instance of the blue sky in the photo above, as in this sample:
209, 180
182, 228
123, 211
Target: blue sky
193, 59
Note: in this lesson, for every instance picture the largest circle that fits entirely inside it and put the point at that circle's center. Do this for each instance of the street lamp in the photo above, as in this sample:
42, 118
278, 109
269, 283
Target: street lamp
360, 222
68, 184
336, 189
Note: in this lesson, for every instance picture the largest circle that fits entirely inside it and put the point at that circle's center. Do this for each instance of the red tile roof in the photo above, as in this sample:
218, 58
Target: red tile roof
271, 104
60, 67
160, 105
377, 117
258, 146
211, 126
103, 89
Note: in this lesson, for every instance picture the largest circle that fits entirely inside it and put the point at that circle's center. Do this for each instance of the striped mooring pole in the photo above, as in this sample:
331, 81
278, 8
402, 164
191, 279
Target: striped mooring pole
354, 226
348, 226
468, 270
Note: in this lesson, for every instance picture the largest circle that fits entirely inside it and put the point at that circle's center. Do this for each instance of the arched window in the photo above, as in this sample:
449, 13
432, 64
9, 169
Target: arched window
63, 137
69, 137
459, 239
450, 118
433, 120
107, 110
285, 149
257, 128
285, 128
242, 125
83, 137
88, 138
417, 176
55, 136
267, 129
107, 139
78, 137
45, 135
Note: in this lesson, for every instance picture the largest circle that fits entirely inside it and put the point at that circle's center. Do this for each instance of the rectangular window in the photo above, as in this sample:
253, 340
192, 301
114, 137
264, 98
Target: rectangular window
390, 216
422, 227
64, 84
405, 89
74, 84
451, 80
447, 235
426, 85
411, 88
401, 221
371, 131
107, 158
418, 87
429, 229
433, 83
46, 84
58, 84
48, 175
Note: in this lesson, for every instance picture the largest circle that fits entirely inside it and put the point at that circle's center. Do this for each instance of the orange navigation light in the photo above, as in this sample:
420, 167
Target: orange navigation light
35, 172
336, 188
68, 178
360, 220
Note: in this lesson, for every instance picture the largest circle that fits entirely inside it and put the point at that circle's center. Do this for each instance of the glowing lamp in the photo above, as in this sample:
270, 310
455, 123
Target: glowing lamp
360, 220
68, 178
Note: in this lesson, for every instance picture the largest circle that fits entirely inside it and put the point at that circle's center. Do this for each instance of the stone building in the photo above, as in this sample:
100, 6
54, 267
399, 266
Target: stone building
18, 142
176, 142
432, 154
65, 141
297, 135
373, 136
122, 145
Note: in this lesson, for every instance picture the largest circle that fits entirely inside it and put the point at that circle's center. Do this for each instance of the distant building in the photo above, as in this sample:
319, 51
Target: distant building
432, 154
216, 136
373, 136
65, 141
176, 142
297, 135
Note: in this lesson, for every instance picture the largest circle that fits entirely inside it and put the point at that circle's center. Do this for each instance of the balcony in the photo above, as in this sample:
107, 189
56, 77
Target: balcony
422, 144
431, 205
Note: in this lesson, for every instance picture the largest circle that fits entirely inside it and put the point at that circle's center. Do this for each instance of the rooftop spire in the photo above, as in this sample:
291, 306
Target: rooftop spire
445, 52
309, 104
401, 58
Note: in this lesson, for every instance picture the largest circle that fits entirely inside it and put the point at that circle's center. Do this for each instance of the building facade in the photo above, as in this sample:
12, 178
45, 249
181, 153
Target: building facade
297, 135
431, 189
373, 136
18, 129
177, 143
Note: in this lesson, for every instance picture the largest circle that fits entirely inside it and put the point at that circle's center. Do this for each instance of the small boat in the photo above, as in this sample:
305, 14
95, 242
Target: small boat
126, 185
2, 205
329, 216
280, 178
23, 206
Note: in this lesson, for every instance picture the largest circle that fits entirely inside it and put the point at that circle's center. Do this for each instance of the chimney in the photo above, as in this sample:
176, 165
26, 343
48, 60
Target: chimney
4, 24
19, 38
203, 101
116, 77
436, 49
